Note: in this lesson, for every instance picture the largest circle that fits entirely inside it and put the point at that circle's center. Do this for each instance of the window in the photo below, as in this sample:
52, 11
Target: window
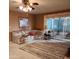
60, 27
59, 24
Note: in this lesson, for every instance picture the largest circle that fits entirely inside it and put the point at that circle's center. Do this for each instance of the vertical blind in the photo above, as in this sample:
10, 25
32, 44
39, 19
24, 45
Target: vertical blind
59, 24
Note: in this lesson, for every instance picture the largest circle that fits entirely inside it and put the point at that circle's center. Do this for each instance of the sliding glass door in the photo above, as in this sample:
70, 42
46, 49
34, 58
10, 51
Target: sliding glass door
66, 24
60, 25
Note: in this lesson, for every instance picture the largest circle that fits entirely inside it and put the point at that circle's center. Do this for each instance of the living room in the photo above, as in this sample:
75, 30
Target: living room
39, 25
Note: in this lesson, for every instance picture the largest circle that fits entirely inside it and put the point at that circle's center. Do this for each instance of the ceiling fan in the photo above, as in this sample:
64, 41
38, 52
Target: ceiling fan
27, 6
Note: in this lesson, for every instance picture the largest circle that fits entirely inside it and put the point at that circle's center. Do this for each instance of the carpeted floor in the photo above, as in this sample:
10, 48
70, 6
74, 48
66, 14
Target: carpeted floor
47, 50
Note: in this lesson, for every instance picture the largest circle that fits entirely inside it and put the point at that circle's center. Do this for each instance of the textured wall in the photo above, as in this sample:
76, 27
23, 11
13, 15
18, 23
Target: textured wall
14, 20
39, 22
40, 18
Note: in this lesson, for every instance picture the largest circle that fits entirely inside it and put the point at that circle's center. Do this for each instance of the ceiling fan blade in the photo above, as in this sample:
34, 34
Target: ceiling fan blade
32, 8
26, 2
35, 3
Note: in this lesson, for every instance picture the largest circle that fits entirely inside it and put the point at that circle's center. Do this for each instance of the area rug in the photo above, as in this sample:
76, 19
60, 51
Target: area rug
47, 50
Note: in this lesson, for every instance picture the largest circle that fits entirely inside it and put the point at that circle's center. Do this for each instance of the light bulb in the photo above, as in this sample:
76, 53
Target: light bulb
31, 4
29, 8
20, 7
25, 9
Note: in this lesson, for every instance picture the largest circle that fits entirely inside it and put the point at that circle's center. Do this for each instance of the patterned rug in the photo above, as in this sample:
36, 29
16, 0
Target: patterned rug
47, 50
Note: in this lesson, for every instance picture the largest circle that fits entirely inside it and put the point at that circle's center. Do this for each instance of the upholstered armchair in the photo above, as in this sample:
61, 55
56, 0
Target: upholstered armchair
18, 36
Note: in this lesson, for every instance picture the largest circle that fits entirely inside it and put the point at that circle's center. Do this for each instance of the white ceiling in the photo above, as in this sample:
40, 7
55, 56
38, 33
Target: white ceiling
45, 6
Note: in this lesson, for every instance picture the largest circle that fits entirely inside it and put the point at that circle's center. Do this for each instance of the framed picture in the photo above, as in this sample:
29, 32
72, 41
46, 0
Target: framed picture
23, 22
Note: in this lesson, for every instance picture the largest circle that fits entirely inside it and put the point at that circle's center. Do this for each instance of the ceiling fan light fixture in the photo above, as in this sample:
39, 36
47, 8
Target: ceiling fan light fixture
25, 9
31, 4
29, 8
20, 7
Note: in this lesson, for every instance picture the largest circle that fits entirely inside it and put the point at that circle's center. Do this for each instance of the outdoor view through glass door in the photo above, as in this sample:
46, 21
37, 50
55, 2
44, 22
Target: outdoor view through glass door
59, 26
